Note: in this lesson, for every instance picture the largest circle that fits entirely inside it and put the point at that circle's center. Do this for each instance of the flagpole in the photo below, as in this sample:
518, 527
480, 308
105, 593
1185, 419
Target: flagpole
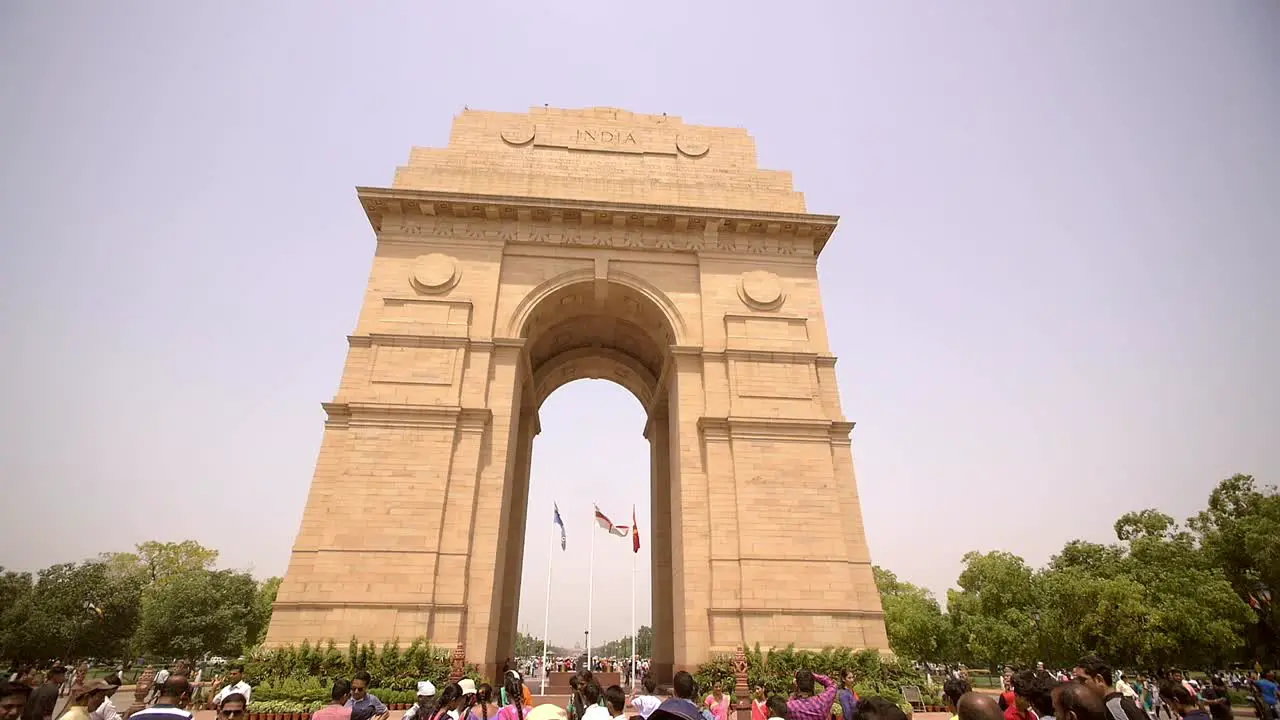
633, 619
591, 591
546, 631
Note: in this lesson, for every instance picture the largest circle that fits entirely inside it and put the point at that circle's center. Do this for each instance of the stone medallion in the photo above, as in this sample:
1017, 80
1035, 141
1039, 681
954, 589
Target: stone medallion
692, 145
518, 134
434, 273
761, 289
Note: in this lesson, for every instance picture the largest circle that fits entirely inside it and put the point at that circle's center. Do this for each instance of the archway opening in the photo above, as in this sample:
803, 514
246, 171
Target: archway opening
590, 453
603, 330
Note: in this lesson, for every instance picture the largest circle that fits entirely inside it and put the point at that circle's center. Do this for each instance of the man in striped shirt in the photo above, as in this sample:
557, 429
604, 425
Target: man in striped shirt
804, 705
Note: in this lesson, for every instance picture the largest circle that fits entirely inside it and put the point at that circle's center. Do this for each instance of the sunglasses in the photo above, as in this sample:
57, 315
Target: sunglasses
232, 713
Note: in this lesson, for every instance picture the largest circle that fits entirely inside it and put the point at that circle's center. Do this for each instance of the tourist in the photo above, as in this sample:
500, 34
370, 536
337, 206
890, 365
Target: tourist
168, 705
107, 710
804, 705
777, 706
591, 694
1074, 701
1020, 707
1096, 675
954, 688
1124, 688
337, 708
426, 702
1181, 700
449, 705
1266, 686
1038, 690
615, 700
759, 704
235, 684
717, 703
977, 706
680, 704
364, 704
878, 708
13, 698
1218, 699
847, 698
645, 702
514, 689
483, 707
45, 698
158, 681
233, 707
86, 698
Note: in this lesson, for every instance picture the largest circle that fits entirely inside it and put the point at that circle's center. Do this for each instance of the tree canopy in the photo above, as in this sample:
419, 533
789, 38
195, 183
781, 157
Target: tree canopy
163, 599
1161, 595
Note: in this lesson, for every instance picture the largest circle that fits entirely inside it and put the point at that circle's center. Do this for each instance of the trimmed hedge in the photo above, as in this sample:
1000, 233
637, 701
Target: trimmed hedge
304, 673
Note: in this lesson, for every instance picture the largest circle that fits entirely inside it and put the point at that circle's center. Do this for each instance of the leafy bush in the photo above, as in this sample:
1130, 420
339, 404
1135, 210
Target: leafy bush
393, 668
775, 671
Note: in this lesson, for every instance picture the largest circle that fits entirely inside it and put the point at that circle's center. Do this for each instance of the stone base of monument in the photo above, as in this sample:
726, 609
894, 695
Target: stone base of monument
558, 682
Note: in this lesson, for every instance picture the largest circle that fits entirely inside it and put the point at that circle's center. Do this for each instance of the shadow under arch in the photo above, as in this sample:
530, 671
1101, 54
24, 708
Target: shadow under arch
577, 326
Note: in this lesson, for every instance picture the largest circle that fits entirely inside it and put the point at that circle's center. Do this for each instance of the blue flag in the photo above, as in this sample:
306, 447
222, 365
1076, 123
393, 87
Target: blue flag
559, 522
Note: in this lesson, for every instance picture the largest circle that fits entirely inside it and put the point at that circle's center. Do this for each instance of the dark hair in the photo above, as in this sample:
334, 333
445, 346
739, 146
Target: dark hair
684, 686
777, 706
484, 692
616, 699
515, 692
1171, 691
14, 688
590, 693
953, 688
878, 708
1037, 688
451, 694
233, 697
176, 686
341, 688
112, 679
1095, 666
650, 685
1080, 701
235, 666
362, 675
804, 681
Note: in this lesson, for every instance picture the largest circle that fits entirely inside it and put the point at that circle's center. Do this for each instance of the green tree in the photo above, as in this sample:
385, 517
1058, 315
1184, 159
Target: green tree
194, 612
1239, 532
993, 613
527, 645
71, 610
915, 624
263, 600
166, 559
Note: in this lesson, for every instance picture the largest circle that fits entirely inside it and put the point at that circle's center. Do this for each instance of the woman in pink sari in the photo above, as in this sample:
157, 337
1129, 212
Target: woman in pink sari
516, 707
718, 703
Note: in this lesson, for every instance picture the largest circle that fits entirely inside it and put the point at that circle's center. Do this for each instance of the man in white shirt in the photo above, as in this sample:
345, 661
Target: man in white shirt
107, 710
235, 684
646, 703
157, 683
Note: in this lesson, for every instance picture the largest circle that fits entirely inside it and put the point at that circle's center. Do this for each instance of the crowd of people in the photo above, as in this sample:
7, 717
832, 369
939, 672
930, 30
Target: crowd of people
1092, 690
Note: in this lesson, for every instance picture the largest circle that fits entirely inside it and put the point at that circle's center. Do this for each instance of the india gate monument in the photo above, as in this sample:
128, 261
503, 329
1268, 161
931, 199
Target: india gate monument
544, 247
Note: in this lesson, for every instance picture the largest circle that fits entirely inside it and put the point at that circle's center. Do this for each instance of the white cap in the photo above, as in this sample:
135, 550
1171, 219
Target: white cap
426, 689
468, 686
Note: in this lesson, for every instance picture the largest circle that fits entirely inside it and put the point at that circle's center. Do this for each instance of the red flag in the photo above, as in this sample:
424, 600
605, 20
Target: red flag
635, 531
607, 524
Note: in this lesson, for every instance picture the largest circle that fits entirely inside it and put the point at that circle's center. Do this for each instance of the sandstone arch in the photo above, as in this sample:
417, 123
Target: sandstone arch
530, 253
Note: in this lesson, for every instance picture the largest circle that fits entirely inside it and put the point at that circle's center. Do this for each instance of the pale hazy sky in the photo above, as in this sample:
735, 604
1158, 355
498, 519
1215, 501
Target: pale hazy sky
1050, 293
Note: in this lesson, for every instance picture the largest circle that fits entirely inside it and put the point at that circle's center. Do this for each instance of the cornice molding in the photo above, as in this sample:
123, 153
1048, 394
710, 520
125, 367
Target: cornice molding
398, 215
360, 414
768, 428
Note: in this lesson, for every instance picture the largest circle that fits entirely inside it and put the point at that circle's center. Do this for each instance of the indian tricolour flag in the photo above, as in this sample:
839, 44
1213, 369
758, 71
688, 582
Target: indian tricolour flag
607, 524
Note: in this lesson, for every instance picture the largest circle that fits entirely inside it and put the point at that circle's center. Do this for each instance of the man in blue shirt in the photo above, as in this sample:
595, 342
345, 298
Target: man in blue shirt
364, 704
1267, 688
